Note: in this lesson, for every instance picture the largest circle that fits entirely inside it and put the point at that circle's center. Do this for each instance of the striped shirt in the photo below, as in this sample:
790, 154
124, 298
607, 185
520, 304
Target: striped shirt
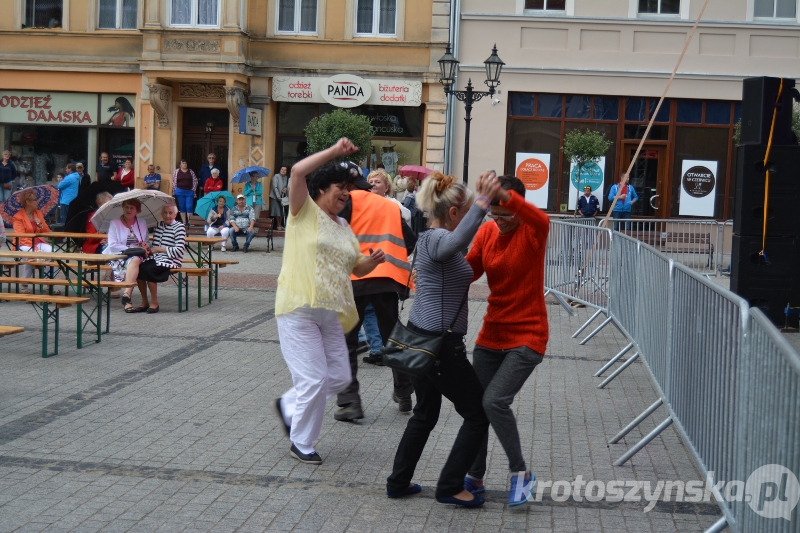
444, 276
173, 238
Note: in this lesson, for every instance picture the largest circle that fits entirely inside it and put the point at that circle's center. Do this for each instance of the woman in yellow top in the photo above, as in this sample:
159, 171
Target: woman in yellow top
314, 304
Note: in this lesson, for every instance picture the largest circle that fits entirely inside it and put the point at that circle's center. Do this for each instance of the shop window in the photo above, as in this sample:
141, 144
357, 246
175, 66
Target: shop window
547, 5
521, 105
117, 14
40, 152
775, 9
703, 144
609, 169
293, 118
636, 109
606, 108
376, 17
539, 137
636, 131
660, 7
43, 13
194, 13
718, 112
578, 106
690, 111
663, 111
297, 16
550, 106
737, 112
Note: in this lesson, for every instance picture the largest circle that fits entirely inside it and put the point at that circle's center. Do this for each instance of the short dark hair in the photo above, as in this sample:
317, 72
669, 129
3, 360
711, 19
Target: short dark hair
70, 167
325, 176
380, 165
510, 183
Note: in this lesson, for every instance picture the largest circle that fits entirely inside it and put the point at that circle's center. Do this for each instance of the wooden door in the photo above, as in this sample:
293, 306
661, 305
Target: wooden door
205, 131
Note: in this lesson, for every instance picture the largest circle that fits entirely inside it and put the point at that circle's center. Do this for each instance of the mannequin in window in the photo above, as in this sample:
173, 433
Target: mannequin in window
389, 157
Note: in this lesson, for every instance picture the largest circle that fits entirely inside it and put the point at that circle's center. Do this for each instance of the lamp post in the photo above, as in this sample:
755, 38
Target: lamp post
448, 64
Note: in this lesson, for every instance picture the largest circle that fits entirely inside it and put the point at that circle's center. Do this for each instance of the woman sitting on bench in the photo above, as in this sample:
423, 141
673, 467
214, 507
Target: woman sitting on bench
129, 231
29, 219
169, 241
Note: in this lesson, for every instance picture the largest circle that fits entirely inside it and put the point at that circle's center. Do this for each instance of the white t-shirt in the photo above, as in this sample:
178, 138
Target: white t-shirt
389, 160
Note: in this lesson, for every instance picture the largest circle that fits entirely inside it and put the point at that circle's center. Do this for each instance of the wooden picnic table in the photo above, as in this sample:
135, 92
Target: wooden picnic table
202, 258
71, 238
64, 260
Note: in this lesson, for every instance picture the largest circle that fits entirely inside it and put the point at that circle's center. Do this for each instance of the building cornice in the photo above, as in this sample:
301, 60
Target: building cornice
113, 66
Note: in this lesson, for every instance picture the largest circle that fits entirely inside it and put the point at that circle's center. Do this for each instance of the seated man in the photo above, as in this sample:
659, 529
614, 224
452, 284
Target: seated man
243, 221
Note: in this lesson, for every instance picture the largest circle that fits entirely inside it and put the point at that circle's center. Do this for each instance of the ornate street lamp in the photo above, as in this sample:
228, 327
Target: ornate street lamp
448, 65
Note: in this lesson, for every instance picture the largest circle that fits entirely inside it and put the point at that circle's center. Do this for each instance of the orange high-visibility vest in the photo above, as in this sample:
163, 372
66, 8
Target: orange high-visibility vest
376, 222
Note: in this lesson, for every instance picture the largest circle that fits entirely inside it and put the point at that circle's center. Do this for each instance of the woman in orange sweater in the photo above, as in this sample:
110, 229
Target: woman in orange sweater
514, 335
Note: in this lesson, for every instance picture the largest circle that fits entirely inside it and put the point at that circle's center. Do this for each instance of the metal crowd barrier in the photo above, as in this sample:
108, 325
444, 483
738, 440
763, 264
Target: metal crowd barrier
729, 383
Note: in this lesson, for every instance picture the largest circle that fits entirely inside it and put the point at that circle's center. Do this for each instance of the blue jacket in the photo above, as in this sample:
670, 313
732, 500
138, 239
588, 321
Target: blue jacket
623, 205
205, 173
8, 173
68, 188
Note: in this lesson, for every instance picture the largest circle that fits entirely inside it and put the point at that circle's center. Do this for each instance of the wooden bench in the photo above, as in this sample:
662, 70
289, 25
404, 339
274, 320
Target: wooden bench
43, 303
10, 330
675, 242
184, 273
217, 264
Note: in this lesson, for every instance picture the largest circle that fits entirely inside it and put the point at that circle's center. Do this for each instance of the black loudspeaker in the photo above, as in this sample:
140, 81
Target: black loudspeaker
759, 97
784, 191
770, 282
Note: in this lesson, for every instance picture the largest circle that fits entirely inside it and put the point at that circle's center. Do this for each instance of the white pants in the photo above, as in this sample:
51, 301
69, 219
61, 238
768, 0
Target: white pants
223, 231
27, 269
313, 346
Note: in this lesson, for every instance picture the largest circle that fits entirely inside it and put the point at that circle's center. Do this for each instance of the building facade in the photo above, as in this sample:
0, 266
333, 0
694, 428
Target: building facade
603, 65
161, 80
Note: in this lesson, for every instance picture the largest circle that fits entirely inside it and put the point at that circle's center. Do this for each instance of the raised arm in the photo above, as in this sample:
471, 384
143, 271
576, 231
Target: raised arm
298, 190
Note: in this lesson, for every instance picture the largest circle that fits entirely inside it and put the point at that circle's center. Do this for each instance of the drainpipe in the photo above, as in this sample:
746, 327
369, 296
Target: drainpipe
450, 115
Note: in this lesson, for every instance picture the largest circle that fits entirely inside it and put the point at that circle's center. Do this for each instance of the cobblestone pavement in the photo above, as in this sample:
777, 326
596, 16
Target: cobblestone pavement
167, 426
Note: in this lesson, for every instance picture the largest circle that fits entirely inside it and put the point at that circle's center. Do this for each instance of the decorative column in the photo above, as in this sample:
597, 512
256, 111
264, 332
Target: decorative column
234, 97
161, 101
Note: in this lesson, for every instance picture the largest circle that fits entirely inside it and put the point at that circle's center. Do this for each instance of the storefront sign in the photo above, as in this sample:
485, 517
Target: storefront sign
118, 110
346, 90
250, 120
28, 107
534, 172
698, 187
592, 174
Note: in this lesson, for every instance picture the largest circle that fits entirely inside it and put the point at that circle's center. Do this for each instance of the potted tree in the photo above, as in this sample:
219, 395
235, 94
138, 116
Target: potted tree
324, 131
584, 148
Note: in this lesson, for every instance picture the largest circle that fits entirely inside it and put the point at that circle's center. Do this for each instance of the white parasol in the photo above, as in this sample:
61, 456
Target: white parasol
152, 203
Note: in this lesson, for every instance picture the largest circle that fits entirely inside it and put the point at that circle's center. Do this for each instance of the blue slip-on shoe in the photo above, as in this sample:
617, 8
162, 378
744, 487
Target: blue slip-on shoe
312, 458
521, 489
476, 501
471, 486
413, 489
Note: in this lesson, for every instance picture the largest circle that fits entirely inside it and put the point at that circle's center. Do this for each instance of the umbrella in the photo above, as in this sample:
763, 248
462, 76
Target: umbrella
243, 176
85, 203
414, 171
46, 201
152, 202
208, 201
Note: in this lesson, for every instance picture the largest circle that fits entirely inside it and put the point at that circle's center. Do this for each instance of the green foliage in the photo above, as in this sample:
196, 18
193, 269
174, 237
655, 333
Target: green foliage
584, 147
324, 131
737, 132
737, 128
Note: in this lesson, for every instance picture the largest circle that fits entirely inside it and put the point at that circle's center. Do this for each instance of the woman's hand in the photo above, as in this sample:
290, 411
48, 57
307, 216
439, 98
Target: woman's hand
377, 256
368, 263
344, 146
487, 187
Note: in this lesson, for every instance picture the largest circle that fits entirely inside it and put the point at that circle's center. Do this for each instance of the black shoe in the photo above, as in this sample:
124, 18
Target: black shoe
374, 359
363, 346
286, 426
348, 413
245, 249
235, 249
404, 404
309, 458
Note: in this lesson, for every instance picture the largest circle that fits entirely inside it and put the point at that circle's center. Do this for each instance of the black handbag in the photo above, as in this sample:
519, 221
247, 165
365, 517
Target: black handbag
413, 352
134, 252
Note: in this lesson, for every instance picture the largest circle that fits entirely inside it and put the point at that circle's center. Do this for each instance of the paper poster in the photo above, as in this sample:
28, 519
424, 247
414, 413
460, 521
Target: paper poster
118, 110
698, 187
592, 174
534, 172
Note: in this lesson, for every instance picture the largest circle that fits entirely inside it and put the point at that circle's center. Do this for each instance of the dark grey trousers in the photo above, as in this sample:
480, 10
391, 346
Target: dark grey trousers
502, 374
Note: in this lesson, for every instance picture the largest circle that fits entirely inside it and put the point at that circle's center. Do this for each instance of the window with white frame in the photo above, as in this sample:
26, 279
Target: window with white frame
43, 13
660, 7
775, 9
546, 5
297, 16
376, 17
117, 14
194, 13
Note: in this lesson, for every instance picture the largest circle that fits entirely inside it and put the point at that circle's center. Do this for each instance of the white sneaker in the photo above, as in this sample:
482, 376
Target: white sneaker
222, 249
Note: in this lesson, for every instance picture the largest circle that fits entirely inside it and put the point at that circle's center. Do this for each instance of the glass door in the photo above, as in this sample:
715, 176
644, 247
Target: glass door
648, 179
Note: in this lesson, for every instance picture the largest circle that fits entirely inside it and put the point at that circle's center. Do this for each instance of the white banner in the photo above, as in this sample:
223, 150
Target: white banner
593, 174
534, 172
29, 107
345, 90
698, 187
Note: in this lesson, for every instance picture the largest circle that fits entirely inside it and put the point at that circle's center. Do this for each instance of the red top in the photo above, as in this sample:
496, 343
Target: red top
514, 266
89, 246
212, 185
126, 180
